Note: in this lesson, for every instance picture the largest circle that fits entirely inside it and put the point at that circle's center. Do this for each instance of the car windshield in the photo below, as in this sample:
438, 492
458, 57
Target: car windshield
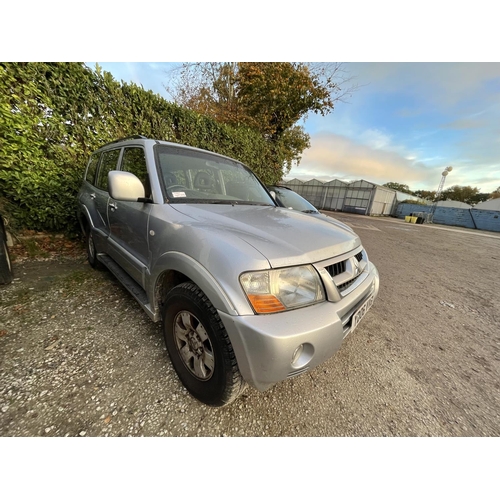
291, 199
197, 177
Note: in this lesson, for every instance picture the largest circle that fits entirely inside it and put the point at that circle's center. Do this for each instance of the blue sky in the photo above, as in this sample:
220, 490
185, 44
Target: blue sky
405, 123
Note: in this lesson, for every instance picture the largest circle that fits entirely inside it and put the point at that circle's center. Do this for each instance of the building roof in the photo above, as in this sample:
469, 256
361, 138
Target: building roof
453, 204
489, 205
314, 182
336, 182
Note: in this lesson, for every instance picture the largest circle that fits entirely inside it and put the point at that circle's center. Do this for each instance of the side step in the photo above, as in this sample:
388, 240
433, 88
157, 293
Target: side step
137, 292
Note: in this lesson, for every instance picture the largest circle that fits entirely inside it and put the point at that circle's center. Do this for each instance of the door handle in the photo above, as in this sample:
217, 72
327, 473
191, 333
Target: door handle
92, 195
113, 206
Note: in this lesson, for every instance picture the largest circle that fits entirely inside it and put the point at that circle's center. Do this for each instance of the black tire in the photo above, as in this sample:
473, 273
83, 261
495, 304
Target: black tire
5, 263
91, 250
203, 356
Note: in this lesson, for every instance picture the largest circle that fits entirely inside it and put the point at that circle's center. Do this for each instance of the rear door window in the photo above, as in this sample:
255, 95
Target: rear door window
92, 168
134, 161
109, 162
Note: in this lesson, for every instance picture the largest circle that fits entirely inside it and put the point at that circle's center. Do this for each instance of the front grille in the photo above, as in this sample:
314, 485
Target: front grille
336, 269
340, 267
347, 284
345, 274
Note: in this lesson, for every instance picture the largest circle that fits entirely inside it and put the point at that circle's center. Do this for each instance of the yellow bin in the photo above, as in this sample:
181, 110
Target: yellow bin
413, 220
407, 218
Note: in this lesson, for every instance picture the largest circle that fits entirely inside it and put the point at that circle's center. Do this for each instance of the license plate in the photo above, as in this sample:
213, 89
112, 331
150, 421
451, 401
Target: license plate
359, 314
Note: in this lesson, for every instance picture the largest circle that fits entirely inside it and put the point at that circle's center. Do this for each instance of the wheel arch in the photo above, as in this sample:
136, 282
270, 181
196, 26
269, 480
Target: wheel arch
174, 268
85, 220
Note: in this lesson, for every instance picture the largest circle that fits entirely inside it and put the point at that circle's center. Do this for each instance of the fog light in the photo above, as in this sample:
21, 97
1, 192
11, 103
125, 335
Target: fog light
297, 353
302, 356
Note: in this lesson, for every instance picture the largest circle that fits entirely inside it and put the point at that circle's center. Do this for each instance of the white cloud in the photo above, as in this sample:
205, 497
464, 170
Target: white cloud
375, 138
336, 156
332, 156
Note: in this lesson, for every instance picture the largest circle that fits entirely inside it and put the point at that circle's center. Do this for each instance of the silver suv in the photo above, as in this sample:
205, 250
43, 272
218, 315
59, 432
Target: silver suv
248, 292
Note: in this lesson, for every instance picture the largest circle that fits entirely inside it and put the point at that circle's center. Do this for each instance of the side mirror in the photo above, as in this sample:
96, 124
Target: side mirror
124, 186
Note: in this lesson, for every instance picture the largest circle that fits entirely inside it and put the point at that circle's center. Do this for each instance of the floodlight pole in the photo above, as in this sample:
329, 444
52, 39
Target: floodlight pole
446, 171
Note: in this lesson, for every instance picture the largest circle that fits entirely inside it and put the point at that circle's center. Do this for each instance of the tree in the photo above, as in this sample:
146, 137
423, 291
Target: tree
270, 97
207, 88
398, 187
275, 96
237, 93
495, 194
465, 194
479, 198
426, 195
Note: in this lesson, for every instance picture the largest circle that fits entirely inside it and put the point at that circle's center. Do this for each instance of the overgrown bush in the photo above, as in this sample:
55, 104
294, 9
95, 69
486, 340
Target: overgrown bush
53, 115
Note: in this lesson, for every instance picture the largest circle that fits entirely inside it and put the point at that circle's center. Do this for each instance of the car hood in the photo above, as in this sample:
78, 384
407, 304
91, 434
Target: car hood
331, 220
284, 237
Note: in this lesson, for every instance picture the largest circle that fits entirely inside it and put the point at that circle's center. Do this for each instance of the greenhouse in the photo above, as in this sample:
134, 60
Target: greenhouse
360, 197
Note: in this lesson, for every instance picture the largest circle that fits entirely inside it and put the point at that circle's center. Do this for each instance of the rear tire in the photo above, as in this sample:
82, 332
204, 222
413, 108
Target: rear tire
199, 347
5, 263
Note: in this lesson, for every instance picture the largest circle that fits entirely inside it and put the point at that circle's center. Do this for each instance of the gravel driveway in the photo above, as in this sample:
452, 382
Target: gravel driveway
79, 357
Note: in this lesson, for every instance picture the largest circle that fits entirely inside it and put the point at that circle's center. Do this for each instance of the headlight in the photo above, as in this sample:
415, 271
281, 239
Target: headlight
280, 289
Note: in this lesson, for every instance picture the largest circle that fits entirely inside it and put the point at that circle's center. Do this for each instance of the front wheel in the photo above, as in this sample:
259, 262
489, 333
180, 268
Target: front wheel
199, 347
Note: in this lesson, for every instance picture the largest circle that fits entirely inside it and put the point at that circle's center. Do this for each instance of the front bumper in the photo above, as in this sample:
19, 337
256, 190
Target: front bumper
266, 345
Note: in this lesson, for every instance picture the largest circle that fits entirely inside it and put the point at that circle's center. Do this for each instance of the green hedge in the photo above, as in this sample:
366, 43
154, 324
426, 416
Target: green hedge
53, 115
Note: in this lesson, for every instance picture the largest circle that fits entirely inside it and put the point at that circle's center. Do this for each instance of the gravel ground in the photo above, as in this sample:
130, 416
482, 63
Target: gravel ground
79, 357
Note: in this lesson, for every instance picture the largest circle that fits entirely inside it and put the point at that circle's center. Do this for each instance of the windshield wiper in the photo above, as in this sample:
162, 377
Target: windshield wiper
310, 211
238, 202
218, 202
187, 201
257, 203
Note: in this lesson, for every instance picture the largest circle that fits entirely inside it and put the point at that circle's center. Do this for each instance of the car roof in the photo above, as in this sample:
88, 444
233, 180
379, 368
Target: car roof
143, 140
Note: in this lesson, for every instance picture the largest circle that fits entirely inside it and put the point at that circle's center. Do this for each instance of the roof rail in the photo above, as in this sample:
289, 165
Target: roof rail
128, 138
